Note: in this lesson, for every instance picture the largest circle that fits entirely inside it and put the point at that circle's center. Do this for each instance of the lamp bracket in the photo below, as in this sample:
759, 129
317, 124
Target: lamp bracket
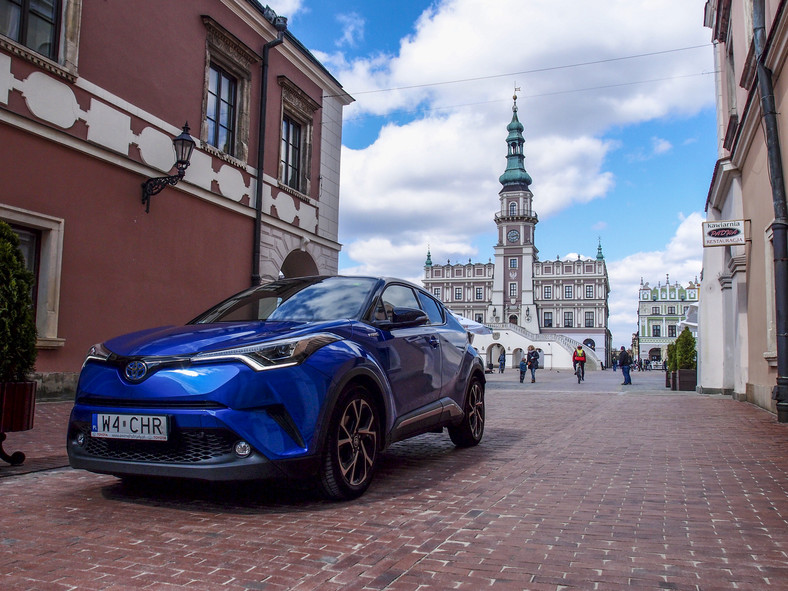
155, 186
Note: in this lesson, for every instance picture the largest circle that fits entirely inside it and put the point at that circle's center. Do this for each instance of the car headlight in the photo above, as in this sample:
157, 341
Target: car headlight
272, 354
97, 352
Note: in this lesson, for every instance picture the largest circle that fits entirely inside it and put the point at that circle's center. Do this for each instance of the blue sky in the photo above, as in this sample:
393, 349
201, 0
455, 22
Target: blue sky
617, 100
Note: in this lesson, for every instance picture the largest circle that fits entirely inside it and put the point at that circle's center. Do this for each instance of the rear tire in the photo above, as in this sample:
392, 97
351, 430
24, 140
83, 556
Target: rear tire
351, 451
470, 431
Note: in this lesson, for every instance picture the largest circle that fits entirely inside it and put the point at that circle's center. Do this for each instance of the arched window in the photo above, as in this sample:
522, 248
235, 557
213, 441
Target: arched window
590, 344
512, 319
513, 208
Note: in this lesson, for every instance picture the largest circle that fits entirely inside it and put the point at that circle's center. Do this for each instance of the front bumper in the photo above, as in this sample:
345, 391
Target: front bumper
189, 454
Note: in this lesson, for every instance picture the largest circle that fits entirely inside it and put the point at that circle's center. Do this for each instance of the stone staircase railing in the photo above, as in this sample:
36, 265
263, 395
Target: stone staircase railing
592, 360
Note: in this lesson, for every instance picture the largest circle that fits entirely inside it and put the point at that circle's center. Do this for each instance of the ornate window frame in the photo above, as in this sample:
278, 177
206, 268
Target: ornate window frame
68, 45
300, 108
49, 272
225, 51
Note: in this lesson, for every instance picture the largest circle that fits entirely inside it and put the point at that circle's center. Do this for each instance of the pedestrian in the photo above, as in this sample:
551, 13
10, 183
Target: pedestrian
579, 358
501, 361
523, 368
624, 360
533, 361
615, 363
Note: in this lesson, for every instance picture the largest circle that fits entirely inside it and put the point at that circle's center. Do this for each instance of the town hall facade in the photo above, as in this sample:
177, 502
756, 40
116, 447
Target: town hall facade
564, 298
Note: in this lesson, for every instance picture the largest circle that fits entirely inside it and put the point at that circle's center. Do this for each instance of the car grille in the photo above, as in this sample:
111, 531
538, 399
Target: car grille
184, 447
196, 404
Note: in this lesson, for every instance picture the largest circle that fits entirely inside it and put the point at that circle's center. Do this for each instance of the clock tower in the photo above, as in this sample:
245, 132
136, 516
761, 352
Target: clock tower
515, 253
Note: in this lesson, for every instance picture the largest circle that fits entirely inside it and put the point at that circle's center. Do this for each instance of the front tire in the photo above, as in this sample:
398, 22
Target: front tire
351, 451
470, 431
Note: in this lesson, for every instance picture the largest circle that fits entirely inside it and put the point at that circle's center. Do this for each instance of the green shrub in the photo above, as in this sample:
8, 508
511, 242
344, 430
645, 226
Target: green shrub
685, 350
17, 325
672, 362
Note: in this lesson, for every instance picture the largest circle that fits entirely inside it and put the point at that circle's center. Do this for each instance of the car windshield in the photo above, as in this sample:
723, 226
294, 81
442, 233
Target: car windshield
306, 299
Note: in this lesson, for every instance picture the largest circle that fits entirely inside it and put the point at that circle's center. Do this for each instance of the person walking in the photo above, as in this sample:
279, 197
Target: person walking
624, 360
533, 361
579, 358
501, 361
523, 369
615, 363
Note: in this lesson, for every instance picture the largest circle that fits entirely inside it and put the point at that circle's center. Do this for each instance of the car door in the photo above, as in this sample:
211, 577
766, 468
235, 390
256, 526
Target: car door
453, 341
411, 355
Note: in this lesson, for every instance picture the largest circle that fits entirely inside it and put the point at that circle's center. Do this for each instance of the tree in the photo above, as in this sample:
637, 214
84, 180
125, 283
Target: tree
685, 350
17, 325
672, 364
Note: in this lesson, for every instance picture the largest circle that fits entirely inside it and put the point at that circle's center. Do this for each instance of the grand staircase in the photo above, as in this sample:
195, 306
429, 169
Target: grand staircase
592, 361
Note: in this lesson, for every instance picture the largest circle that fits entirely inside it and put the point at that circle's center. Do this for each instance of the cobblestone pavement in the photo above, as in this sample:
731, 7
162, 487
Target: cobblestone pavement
575, 486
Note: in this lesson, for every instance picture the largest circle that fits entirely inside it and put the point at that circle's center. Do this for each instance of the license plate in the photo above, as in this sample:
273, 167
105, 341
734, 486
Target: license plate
115, 426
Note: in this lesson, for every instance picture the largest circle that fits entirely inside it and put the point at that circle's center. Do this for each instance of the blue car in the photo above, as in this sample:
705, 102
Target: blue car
307, 377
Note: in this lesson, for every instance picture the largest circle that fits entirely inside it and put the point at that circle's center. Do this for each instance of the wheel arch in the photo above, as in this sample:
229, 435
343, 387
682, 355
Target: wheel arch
377, 389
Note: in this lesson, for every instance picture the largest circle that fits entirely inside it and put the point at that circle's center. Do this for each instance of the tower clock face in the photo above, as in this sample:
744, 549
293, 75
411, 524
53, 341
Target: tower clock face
513, 236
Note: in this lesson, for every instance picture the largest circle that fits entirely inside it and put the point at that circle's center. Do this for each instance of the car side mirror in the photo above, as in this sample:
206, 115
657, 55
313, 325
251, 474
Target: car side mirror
405, 318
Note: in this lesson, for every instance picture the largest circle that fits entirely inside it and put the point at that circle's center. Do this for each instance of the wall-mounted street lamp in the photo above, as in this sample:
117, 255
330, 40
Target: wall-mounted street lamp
184, 146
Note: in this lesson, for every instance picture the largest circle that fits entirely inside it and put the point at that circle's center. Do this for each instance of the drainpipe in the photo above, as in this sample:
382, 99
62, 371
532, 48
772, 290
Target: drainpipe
780, 226
280, 23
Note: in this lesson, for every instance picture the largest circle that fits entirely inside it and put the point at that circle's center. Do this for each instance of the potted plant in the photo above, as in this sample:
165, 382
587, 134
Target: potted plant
17, 342
686, 361
670, 364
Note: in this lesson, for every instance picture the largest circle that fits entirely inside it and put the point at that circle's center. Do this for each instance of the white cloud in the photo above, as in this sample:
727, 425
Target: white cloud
442, 168
681, 260
434, 179
287, 8
352, 29
660, 145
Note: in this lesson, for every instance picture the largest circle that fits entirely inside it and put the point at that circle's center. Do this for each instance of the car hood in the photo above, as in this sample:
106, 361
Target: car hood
197, 338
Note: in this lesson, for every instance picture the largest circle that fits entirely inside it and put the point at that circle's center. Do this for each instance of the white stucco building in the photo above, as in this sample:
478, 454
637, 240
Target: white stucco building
553, 304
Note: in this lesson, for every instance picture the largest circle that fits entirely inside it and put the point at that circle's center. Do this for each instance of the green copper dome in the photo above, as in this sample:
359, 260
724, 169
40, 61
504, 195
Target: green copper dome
515, 175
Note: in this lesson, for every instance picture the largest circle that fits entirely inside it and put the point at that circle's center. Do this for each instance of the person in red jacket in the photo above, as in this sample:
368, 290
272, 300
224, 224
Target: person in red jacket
579, 358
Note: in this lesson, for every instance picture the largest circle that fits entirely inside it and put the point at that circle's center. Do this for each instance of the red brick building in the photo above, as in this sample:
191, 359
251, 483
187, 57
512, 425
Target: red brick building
91, 96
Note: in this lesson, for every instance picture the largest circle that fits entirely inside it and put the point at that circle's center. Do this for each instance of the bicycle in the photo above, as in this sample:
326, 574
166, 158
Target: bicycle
580, 372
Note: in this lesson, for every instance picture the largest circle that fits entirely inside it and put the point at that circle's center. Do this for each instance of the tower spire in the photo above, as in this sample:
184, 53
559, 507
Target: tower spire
515, 176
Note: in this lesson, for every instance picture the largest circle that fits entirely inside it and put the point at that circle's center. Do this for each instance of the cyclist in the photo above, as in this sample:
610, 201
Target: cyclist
579, 363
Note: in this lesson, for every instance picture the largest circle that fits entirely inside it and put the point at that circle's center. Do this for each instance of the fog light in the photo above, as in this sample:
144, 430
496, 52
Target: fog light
80, 439
242, 449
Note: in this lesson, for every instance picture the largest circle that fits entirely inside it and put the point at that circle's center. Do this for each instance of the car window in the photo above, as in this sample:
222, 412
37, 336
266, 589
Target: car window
432, 308
298, 300
395, 296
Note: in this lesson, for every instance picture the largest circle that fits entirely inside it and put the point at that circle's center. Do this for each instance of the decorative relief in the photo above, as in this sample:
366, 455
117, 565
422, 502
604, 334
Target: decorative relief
297, 98
53, 101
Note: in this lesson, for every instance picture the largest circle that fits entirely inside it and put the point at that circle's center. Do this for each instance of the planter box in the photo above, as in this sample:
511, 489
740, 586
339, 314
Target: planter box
667, 379
17, 406
687, 379
673, 380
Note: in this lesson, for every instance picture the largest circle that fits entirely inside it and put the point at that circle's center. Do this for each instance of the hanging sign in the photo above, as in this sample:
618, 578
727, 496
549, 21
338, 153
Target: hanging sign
723, 233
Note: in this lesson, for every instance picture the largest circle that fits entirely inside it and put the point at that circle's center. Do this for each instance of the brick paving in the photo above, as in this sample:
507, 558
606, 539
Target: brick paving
575, 486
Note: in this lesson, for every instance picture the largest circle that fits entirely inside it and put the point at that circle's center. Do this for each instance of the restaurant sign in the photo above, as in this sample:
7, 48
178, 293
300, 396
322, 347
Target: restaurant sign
723, 233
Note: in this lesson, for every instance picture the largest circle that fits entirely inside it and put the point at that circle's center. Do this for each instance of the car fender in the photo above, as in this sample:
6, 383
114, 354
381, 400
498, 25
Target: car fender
359, 366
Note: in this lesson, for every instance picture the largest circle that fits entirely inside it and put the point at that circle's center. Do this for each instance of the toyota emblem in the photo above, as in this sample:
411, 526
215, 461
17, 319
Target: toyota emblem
136, 370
